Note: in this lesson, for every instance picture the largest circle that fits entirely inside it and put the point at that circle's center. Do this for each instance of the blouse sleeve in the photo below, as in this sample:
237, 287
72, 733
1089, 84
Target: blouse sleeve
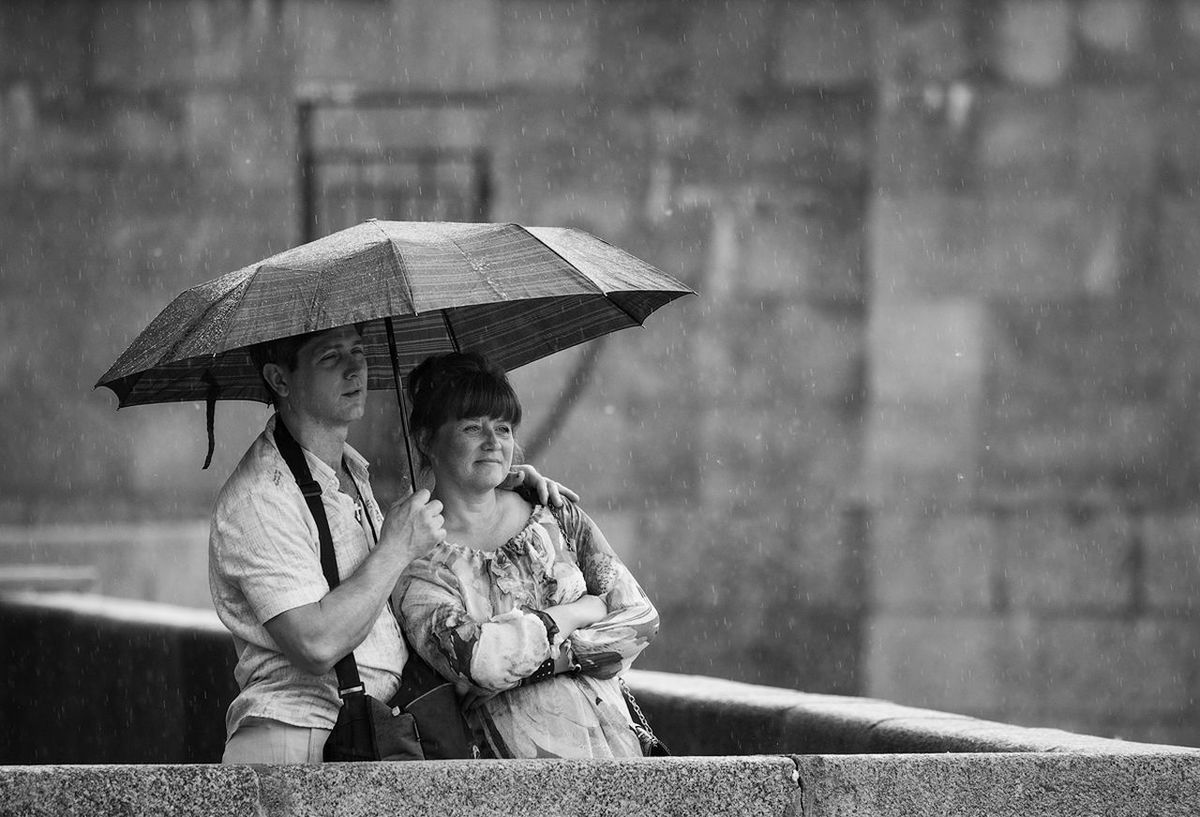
490, 654
608, 647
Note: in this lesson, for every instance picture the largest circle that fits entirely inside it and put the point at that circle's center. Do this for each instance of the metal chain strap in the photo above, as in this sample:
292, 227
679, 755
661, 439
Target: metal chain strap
637, 710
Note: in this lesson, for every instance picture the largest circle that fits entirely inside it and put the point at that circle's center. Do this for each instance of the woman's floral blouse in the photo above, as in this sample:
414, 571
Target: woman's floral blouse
468, 613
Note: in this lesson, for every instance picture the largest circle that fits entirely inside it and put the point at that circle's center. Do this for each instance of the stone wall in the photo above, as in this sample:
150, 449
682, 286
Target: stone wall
1031, 441
925, 434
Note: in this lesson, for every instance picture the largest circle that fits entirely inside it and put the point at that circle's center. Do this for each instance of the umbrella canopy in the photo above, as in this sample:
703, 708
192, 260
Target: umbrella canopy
516, 294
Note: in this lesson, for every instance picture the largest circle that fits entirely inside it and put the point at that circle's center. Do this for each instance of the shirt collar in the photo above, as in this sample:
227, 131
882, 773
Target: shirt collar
325, 476
356, 463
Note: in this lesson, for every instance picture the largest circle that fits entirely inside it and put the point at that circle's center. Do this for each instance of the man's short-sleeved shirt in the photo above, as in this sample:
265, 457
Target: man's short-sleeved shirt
264, 559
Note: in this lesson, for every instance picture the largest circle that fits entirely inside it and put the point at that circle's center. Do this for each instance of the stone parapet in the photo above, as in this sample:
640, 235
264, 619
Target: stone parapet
998, 785
733, 786
710, 716
805, 786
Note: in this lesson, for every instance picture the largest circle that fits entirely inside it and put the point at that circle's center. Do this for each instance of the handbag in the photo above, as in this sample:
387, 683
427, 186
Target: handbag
368, 729
651, 745
423, 720
433, 703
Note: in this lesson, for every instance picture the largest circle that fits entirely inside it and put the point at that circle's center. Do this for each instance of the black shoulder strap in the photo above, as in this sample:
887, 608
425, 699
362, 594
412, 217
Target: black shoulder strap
346, 667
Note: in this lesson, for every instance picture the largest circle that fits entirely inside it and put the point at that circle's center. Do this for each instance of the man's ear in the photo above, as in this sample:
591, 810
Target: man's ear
276, 377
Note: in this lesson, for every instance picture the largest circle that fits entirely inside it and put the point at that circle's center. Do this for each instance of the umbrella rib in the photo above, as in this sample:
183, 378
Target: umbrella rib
475, 268
244, 286
398, 259
450, 330
630, 315
241, 285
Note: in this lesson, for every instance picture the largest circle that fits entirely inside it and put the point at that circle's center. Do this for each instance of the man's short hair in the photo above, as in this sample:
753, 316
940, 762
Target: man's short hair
284, 352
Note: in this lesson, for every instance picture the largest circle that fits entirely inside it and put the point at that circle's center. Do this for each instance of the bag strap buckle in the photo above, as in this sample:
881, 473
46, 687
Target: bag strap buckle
351, 690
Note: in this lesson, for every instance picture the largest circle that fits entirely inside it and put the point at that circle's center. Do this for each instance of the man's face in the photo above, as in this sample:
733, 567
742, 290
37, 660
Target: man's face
329, 384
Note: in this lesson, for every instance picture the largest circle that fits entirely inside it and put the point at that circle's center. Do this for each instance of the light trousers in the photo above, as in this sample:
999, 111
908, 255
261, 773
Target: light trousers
259, 740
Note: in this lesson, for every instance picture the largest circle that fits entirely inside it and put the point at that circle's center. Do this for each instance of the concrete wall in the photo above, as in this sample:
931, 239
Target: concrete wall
926, 434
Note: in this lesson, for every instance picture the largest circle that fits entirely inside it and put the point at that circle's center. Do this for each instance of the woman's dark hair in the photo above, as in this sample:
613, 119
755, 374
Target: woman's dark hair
449, 387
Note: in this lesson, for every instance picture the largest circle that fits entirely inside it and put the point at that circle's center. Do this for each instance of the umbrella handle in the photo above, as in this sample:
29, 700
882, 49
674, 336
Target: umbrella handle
408, 450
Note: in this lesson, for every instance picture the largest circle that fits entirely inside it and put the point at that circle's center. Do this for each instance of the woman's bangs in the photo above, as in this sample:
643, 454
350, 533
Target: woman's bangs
485, 396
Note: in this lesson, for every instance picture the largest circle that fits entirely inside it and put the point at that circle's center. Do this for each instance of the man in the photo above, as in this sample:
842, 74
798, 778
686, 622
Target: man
265, 573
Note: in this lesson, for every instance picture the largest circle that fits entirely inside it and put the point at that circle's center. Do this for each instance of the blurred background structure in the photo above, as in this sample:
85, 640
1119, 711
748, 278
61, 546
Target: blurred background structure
929, 433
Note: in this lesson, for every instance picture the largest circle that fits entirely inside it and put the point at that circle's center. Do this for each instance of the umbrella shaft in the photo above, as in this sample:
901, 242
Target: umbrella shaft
408, 450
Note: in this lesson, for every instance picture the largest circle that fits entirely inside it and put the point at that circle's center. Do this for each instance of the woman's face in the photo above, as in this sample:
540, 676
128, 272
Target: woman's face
474, 452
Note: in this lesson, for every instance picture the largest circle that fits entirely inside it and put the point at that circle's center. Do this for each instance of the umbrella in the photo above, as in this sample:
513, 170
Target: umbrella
516, 294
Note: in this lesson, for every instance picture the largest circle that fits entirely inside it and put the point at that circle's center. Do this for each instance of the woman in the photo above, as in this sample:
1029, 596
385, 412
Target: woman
527, 610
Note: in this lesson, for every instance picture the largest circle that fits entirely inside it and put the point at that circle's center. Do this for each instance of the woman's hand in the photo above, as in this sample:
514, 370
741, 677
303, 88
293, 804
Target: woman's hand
570, 617
565, 660
548, 491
